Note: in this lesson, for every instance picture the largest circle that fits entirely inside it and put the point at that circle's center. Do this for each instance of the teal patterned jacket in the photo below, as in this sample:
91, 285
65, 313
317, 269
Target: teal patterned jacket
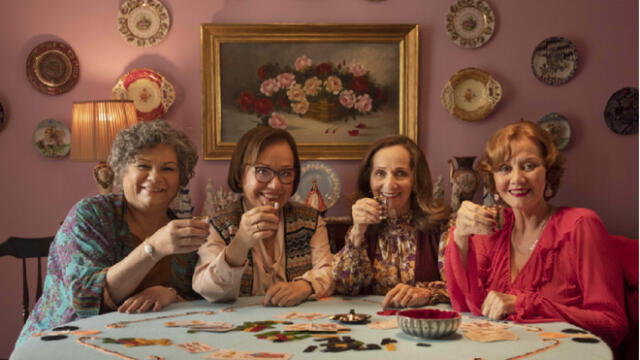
91, 239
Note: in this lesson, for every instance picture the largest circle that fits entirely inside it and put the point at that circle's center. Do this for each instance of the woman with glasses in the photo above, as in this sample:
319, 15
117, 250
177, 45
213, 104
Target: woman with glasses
392, 247
263, 244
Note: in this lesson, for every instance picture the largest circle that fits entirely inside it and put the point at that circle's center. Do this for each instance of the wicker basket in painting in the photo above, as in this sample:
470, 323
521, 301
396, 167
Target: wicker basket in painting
325, 110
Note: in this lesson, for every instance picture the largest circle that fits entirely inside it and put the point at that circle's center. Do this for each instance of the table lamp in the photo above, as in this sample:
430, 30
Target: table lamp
94, 125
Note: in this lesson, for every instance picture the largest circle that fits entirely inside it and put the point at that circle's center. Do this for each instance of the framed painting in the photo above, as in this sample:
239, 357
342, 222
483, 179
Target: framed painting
335, 88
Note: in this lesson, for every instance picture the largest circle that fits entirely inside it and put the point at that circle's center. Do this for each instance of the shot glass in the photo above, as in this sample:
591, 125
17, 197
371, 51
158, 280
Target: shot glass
384, 206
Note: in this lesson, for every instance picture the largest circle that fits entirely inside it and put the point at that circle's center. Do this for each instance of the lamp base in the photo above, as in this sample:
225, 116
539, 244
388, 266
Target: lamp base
103, 175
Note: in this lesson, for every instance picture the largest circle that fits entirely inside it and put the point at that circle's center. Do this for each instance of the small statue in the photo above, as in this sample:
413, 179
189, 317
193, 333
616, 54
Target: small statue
315, 199
487, 198
464, 180
438, 190
181, 204
216, 200
103, 175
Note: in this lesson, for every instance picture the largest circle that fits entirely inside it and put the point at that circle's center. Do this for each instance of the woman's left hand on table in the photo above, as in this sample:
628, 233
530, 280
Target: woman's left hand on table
153, 298
287, 293
403, 295
498, 305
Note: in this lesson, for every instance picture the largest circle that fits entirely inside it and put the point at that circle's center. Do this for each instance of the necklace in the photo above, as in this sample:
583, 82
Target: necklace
541, 226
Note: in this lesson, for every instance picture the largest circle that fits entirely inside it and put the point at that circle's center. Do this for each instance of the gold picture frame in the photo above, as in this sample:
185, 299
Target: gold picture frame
335, 88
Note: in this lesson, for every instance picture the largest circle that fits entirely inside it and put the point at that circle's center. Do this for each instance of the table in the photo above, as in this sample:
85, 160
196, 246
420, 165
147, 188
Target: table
246, 309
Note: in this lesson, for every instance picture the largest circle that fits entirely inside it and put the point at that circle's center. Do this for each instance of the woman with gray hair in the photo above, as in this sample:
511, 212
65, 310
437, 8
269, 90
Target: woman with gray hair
125, 252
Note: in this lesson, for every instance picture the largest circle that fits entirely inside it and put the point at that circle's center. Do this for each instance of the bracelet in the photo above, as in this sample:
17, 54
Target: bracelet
149, 250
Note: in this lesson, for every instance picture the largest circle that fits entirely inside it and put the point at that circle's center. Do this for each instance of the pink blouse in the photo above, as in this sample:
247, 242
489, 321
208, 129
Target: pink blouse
572, 275
216, 280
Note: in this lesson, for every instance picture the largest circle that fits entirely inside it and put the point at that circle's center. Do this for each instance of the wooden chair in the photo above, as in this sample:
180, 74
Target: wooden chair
23, 248
337, 227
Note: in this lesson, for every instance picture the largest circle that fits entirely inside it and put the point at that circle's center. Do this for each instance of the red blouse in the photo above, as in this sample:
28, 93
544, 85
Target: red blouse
572, 275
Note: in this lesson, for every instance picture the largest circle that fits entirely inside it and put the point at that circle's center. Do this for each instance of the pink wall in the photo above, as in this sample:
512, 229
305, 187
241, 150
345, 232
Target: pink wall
602, 167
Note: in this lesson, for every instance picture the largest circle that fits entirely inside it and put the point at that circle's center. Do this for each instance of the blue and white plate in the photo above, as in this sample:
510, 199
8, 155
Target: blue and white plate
558, 127
326, 178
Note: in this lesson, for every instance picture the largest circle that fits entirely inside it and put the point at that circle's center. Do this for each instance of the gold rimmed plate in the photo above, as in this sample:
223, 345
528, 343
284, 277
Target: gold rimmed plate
151, 93
53, 68
471, 94
470, 23
143, 23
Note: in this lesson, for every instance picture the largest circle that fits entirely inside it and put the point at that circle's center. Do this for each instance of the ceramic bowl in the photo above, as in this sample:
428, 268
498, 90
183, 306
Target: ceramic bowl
428, 323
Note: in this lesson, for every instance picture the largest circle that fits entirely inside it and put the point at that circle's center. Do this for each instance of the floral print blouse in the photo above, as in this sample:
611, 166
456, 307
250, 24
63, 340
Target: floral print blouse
394, 261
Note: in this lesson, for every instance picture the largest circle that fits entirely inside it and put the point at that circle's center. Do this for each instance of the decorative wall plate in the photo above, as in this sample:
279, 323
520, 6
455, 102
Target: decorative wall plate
143, 23
53, 68
2, 117
621, 111
471, 94
326, 179
554, 61
558, 127
470, 23
151, 93
52, 138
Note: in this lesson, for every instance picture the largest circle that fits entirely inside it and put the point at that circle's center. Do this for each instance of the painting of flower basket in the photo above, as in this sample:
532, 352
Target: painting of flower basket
335, 88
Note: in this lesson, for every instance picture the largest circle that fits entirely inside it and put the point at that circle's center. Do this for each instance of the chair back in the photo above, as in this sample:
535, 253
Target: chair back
24, 248
627, 250
337, 228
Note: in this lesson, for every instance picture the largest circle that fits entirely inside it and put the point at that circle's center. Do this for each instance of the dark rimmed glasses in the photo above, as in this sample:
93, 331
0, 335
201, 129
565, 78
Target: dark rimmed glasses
265, 174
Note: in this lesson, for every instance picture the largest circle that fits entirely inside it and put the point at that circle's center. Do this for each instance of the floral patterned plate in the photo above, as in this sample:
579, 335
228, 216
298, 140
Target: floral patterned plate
52, 138
53, 68
470, 23
554, 61
325, 178
558, 127
143, 23
151, 93
621, 112
471, 94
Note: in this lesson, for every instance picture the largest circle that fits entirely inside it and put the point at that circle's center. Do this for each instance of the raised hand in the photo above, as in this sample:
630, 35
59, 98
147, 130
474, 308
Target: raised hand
365, 211
259, 223
475, 219
179, 237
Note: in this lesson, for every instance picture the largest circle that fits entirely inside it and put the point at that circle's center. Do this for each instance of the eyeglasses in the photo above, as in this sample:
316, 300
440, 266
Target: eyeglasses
266, 174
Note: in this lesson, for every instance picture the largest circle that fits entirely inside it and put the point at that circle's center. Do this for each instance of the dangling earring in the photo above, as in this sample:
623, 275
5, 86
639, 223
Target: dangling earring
496, 197
548, 192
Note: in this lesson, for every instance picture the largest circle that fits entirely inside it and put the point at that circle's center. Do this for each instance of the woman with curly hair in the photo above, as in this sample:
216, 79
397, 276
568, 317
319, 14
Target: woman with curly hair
125, 252
392, 247
540, 263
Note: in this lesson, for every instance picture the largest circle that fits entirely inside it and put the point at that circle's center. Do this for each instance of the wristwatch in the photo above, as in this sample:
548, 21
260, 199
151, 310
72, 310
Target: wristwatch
149, 250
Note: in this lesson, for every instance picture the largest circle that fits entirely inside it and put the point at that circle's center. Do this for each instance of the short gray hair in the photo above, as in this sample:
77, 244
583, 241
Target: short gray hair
145, 135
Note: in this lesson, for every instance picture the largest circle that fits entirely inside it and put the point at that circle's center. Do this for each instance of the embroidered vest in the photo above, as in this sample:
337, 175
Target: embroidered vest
300, 222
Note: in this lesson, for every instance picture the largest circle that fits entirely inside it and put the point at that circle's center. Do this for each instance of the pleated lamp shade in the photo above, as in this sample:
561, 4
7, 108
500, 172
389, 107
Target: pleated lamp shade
94, 125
